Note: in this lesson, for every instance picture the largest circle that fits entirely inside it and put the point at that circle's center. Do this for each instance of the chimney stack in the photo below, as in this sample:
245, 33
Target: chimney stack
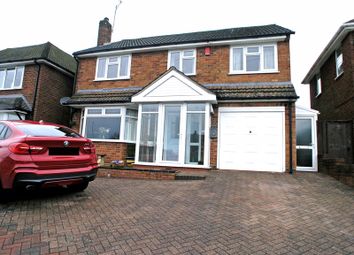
104, 32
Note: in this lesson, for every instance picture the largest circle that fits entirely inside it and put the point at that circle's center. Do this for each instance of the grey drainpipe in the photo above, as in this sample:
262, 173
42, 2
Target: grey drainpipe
291, 137
36, 89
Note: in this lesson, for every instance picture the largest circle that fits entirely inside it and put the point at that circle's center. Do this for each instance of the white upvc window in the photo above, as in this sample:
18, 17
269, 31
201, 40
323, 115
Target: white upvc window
110, 124
254, 59
113, 67
11, 78
173, 134
183, 60
339, 61
318, 86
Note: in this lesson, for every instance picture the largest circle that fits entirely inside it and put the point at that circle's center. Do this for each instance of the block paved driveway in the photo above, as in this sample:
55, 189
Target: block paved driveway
229, 213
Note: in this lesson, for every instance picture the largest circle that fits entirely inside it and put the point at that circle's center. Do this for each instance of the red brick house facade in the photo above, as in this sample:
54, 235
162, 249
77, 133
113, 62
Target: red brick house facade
331, 80
215, 99
33, 79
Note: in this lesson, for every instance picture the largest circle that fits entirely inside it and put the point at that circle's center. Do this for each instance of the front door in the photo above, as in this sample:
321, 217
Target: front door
171, 133
305, 144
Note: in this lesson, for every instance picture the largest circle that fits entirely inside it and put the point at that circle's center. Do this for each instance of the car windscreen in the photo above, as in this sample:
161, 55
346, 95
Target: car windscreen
47, 130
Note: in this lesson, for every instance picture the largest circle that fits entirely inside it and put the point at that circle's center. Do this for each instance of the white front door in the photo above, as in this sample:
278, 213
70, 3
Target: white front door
252, 139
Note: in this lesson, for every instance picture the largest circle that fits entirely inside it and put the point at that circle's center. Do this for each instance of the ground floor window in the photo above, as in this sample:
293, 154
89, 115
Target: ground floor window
173, 134
12, 115
110, 124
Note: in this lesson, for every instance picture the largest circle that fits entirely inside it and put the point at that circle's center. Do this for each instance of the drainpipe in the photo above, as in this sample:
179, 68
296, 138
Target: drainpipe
36, 88
290, 113
71, 112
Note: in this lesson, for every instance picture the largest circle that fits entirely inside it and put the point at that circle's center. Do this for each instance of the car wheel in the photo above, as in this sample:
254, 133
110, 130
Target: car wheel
79, 187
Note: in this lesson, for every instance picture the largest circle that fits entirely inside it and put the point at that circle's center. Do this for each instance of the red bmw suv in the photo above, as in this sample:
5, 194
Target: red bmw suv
38, 154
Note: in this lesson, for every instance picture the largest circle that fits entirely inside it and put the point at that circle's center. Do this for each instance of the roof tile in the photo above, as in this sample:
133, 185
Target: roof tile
194, 37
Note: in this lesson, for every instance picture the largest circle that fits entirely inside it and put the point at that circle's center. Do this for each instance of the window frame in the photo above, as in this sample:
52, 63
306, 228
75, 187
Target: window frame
2, 84
318, 86
336, 61
261, 61
181, 162
181, 58
103, 113
119, 61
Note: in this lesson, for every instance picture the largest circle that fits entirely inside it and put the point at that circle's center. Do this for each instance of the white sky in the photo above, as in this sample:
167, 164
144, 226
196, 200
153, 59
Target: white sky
72, 24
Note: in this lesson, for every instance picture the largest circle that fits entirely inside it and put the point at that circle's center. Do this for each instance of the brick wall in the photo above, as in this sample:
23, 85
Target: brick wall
145, 67
214, 122
112, 151
53, 85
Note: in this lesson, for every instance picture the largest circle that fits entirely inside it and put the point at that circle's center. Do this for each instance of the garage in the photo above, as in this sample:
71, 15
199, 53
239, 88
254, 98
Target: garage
252, 138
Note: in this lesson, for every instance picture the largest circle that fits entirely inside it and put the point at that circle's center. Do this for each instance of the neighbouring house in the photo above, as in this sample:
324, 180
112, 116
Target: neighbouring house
214, 99
33, 79
331, 80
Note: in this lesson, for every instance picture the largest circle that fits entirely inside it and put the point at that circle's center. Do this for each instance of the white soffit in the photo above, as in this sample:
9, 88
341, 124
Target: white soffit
173, 86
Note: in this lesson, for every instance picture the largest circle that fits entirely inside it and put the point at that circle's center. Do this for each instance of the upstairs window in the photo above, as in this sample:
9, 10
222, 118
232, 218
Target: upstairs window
318, 86
183, 60
339, 62
111, 68
11, 78
253, 59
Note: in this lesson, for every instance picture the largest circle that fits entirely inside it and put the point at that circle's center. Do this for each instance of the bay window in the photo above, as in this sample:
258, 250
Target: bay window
195, 134
183, 60
173, 134
131, 120
11, 78
253, 59
148, 133
115, 67
109, 123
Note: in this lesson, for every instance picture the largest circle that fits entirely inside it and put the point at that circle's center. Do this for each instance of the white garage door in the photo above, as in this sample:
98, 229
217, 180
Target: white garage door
252, 139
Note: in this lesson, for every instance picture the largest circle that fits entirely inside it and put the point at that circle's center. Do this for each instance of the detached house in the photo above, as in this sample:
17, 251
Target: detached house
215, 99
331, 80
33, 79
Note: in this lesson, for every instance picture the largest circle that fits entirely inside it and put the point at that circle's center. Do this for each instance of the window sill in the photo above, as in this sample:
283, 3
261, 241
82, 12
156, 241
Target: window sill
262, 72
113, 79
338, 76
172, 165
11, 89
110, 140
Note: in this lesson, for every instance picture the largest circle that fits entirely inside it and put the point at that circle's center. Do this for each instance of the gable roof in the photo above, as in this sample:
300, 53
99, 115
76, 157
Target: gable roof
173, 86
333, 44
194, 37
46, 51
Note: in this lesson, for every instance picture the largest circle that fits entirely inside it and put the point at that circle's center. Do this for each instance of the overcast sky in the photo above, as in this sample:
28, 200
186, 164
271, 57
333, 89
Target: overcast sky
72, 24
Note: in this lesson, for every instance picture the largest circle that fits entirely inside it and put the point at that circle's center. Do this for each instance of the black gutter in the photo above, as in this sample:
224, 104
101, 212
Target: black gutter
36, 89
71, 112
291, 170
